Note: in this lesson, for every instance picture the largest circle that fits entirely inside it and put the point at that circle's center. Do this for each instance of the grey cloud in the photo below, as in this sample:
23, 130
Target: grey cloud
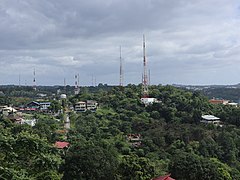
186, 40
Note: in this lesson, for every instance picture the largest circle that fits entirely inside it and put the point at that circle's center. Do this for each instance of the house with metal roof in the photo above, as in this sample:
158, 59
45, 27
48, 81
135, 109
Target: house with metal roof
210, 119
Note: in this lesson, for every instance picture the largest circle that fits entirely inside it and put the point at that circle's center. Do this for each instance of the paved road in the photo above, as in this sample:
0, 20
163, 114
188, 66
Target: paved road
67, 122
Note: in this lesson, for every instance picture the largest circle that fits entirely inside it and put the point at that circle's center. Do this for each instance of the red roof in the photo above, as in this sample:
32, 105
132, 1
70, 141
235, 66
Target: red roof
61, 145
218, 101
166, 177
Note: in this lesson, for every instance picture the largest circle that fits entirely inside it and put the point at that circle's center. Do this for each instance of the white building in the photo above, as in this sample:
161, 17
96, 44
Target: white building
210, 119
148, 101
44, 105
80, 106
29, 122
8, 110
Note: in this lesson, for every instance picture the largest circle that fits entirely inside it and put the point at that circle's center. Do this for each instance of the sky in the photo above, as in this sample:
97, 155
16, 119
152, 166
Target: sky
187, 41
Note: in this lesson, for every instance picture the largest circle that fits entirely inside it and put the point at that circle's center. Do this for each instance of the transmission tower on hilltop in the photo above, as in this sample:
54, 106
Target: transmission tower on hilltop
34, 80
145, 72
121, 69
76, 89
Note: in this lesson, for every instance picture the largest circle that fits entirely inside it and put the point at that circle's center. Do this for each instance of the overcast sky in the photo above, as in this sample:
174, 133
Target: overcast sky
187, 41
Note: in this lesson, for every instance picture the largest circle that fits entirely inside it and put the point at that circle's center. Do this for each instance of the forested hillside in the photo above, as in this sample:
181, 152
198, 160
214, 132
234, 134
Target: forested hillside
171, 139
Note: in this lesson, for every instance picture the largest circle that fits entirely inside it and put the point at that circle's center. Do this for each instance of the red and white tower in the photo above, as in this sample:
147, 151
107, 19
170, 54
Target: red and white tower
145, 72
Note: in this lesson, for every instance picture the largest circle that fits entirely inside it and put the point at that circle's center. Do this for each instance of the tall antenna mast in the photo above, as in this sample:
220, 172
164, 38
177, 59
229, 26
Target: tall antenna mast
76, 90
78, 82
19, 80
64, 84
149, 77
92, 80
121, 69
34, 80
145, 73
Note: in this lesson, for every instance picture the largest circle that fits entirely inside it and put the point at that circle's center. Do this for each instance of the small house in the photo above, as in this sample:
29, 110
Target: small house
210, 119
61, 144
8, 110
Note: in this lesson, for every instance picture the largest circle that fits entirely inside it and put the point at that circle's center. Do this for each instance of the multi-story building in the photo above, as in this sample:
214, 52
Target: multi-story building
80, 106
83, 106
92, 105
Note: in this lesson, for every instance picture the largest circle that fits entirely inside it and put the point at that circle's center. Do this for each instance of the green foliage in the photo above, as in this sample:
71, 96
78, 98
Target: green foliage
90, 162
134, 167
26, 156
172, 138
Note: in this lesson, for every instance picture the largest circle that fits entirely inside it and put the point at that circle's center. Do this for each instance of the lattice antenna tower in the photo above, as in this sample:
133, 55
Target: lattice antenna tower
34, 80
19, 80
121, 68
64, 84
76, 89
145, 73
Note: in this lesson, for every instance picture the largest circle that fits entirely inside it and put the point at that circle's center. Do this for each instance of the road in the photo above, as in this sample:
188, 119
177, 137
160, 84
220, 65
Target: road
67, 122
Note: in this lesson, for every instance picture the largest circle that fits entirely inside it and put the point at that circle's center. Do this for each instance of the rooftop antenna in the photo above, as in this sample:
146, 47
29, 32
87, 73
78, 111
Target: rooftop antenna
145, 74
34, 80
121, 69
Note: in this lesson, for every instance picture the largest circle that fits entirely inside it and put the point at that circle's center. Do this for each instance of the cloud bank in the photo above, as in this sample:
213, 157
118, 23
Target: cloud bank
188, 42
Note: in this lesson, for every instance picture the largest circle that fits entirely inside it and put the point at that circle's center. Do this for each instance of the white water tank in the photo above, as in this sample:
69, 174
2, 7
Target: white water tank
63, 96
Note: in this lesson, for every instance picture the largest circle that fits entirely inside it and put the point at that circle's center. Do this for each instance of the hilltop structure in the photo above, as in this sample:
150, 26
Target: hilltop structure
145, 81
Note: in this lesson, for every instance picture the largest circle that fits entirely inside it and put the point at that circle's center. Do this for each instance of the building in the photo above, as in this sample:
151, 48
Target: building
219, 101
135, 140
233, 104
210, 119
30, 122
44, 106
166, 177
8, 110
83, 106
33, 106
92, 105
148, 101
15, 118
2, 106
80, 106
61, 145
